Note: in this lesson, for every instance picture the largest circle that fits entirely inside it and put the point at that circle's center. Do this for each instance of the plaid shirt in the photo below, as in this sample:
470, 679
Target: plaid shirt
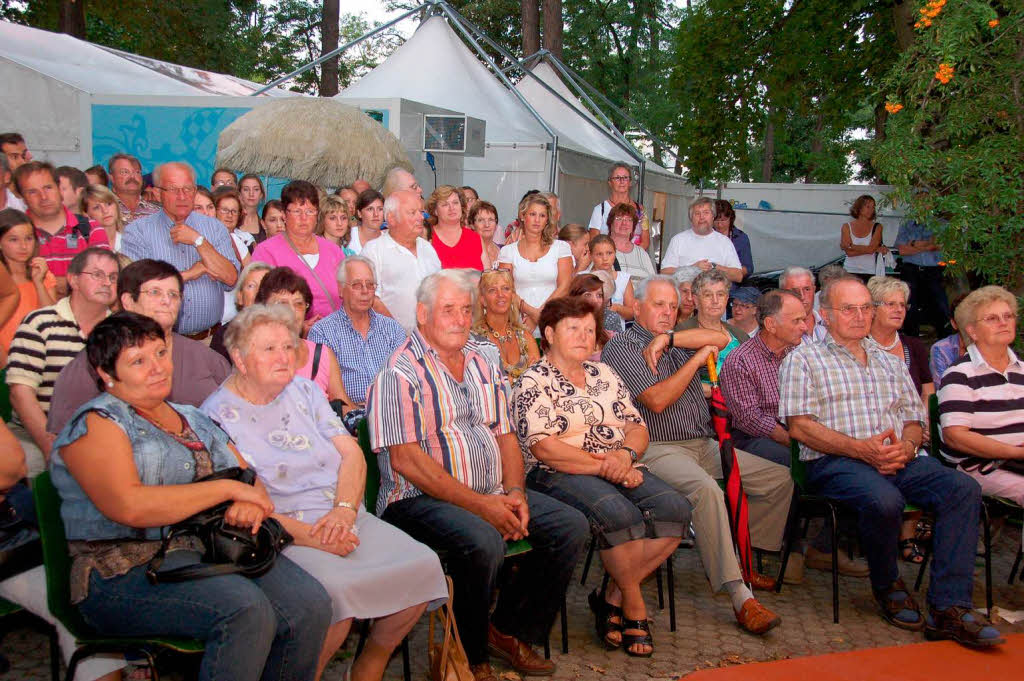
824, 380
750, 385
415, 399
142, 209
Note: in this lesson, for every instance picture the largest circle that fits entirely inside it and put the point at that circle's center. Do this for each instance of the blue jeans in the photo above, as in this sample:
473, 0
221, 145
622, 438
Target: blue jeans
474, 552
269, 628
879, 500
618, 514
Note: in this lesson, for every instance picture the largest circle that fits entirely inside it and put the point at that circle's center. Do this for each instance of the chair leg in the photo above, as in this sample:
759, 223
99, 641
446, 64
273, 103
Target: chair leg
760, 560
547, 647
834, 528
671, 595
586, 563
406, 667
661, 594
564, 616
788, 538
1016, 566
364, 631
988, 562
54, 655
924, 565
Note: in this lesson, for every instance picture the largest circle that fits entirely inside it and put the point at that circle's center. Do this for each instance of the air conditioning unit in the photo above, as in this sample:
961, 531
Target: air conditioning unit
453, 134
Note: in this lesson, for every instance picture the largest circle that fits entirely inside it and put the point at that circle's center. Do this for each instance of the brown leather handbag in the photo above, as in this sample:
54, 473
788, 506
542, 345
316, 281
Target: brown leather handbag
448, 661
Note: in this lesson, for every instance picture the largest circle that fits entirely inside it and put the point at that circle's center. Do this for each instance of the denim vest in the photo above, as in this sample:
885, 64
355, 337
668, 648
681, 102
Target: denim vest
159, 458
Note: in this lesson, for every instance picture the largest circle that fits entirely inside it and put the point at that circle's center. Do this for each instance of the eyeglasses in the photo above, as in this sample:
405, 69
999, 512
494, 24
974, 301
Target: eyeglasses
126, 172
991, 319
102, 277
294, 212
180, 191
893, 305
621, 178
622, 219
362, 286
851, 310
172, 296
228, 211
299, 305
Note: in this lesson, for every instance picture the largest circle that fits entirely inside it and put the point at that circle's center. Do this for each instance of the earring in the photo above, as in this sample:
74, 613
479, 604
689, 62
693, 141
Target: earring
110, 384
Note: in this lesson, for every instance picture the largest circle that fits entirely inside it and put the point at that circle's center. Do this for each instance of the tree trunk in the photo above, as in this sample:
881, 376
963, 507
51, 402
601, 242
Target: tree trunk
553, 27
329, 41
72, 18
817, 145
903, 17
529, 9
768, 159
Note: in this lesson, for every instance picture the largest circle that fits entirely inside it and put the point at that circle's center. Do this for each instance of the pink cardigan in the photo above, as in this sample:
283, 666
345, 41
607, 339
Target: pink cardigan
276, 252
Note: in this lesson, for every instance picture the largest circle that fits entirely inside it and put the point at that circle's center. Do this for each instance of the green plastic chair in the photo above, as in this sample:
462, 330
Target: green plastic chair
57, 563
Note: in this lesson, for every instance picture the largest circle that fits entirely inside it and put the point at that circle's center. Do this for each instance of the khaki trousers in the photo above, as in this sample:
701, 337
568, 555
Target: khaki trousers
692, 467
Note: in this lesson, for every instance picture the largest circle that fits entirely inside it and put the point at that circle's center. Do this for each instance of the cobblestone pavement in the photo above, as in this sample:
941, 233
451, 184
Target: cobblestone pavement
706, 634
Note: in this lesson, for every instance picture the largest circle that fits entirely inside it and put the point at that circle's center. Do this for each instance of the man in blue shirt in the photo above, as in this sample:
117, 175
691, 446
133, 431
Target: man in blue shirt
921, 270
199, 246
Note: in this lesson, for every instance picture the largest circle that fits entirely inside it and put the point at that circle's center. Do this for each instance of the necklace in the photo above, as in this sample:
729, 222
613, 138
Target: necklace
895, 342
501, 338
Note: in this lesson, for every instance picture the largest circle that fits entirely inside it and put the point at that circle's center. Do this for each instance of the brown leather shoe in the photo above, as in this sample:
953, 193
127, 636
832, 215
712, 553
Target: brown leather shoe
483, 672
519, 656
756, 618
762, 582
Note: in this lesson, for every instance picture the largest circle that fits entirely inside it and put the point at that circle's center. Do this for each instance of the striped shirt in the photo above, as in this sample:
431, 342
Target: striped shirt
47, 340
59, 249
987, 401
415, 399
688, 417
825, 381
202, 303
359, 358
143, 209
750, 386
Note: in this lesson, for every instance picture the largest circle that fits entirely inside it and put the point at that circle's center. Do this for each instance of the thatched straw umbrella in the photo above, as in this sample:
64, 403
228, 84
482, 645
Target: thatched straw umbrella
316, 139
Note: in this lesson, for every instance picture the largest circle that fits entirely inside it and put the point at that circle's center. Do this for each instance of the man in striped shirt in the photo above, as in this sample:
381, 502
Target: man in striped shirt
48, 339
858, 417
451, 475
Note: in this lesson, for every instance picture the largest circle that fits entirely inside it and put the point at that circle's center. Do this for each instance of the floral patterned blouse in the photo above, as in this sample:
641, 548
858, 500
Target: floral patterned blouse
546, 403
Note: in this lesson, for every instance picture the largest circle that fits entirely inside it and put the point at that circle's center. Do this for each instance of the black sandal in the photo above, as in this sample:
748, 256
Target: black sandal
911, 552
924, 531
603, 624
630, 640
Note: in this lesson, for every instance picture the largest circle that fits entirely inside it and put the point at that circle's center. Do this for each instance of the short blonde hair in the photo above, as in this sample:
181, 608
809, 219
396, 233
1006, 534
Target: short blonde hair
967, 311
880, 287
238, 335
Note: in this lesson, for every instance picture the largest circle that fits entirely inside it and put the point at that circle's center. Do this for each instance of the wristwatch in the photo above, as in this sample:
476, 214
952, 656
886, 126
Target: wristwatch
917, 446
714, 266
200, 240
671, 339
633, 456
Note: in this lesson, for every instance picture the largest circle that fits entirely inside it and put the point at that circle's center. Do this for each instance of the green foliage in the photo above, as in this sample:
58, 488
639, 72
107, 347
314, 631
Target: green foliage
955, 150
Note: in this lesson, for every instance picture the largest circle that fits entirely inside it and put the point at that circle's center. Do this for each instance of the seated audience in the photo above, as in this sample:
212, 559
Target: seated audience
949, 349
71, 182
334, 223
710, 295
800, 281
683, 278
100, 205
583, 442
578, 238
238, 298
126, 183
725, 224
496, 319
632, 259
702, 246
126, 467
982, 394
613, 321
47, 340
456, 246
602, 255
370, 214
312, 257
684, 452
858, 418
19, 252
591, 288
451, 476
151, 288
483, 219
315, 474
744, 309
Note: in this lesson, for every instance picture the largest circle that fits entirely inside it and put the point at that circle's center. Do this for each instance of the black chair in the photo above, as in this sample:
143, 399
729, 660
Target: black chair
657, 578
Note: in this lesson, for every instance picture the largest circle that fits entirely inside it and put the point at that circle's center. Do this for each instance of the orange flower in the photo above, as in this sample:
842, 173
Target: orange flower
944, 74
993, 23
893, 107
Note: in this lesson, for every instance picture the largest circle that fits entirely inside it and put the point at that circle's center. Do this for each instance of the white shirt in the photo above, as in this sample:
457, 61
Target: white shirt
688, 247
819, 331
535, 281
599, 217
399, 273
13, 201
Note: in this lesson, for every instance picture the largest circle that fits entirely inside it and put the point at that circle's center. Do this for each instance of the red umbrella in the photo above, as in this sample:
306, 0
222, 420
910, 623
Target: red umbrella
735, 497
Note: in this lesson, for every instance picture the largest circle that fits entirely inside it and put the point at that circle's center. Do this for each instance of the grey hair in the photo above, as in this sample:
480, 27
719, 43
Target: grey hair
830, 272
238, 335
826, 293
880, 287
770, 303
624, 166
254, 266
685, 274
463, 279
158, 172
640, 287
709, 277
794, 271
608, 280
702, 201
391, 205
342, 275
391, 181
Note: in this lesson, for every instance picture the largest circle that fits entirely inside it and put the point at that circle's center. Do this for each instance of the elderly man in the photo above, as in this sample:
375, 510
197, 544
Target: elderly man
401, 180
683, 450
402, 258
800, 280
126, 183
8, 199
61, 233
222, 177
361, 339
702, 246
197, 245
151, 288
452, 477
858, 417
48, 339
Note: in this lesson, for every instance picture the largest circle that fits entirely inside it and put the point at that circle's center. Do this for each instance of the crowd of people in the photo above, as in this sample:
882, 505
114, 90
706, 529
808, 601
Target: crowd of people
539, 381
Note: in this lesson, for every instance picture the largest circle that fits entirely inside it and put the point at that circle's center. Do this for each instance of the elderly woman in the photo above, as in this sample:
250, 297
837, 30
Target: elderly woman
725, 223
456, 246
496, 319
861, 239
744, 309
632, 259
334, 224
227, 208
540, 264
100, 204
583, 441
315, 474
129, 464
683, 277
593, 288
710, 295
272, 218
370, 211
238, 298
981, 394
315, 258
890, 297
251, 193
578, 238
483, 219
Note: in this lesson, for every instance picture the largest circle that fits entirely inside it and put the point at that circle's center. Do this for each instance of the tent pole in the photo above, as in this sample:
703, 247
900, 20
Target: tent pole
335, 52
581, 92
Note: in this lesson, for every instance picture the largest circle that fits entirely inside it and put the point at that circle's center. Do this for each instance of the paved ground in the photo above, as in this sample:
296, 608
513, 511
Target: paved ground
706, 635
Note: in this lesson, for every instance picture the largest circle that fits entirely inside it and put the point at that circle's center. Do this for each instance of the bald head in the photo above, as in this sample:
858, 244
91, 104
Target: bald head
399, 180
360, 186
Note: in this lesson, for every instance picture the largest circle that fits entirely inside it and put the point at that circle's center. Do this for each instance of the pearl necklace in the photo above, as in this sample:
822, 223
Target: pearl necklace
890, 346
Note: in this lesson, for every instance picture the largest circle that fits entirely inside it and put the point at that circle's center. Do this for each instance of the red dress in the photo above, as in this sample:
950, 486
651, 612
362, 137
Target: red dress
468, 252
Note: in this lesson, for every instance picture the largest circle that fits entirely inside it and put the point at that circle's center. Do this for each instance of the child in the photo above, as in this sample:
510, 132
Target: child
19, 252
602, 257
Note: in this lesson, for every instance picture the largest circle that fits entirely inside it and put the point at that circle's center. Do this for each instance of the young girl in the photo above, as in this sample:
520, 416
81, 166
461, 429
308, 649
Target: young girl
19, 252
602, 256
334, 224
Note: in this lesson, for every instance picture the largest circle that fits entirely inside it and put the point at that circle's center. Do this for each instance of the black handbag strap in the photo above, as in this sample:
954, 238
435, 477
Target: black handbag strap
317, 351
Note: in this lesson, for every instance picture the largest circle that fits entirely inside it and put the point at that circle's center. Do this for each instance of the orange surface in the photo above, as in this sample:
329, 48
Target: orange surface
919, 662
